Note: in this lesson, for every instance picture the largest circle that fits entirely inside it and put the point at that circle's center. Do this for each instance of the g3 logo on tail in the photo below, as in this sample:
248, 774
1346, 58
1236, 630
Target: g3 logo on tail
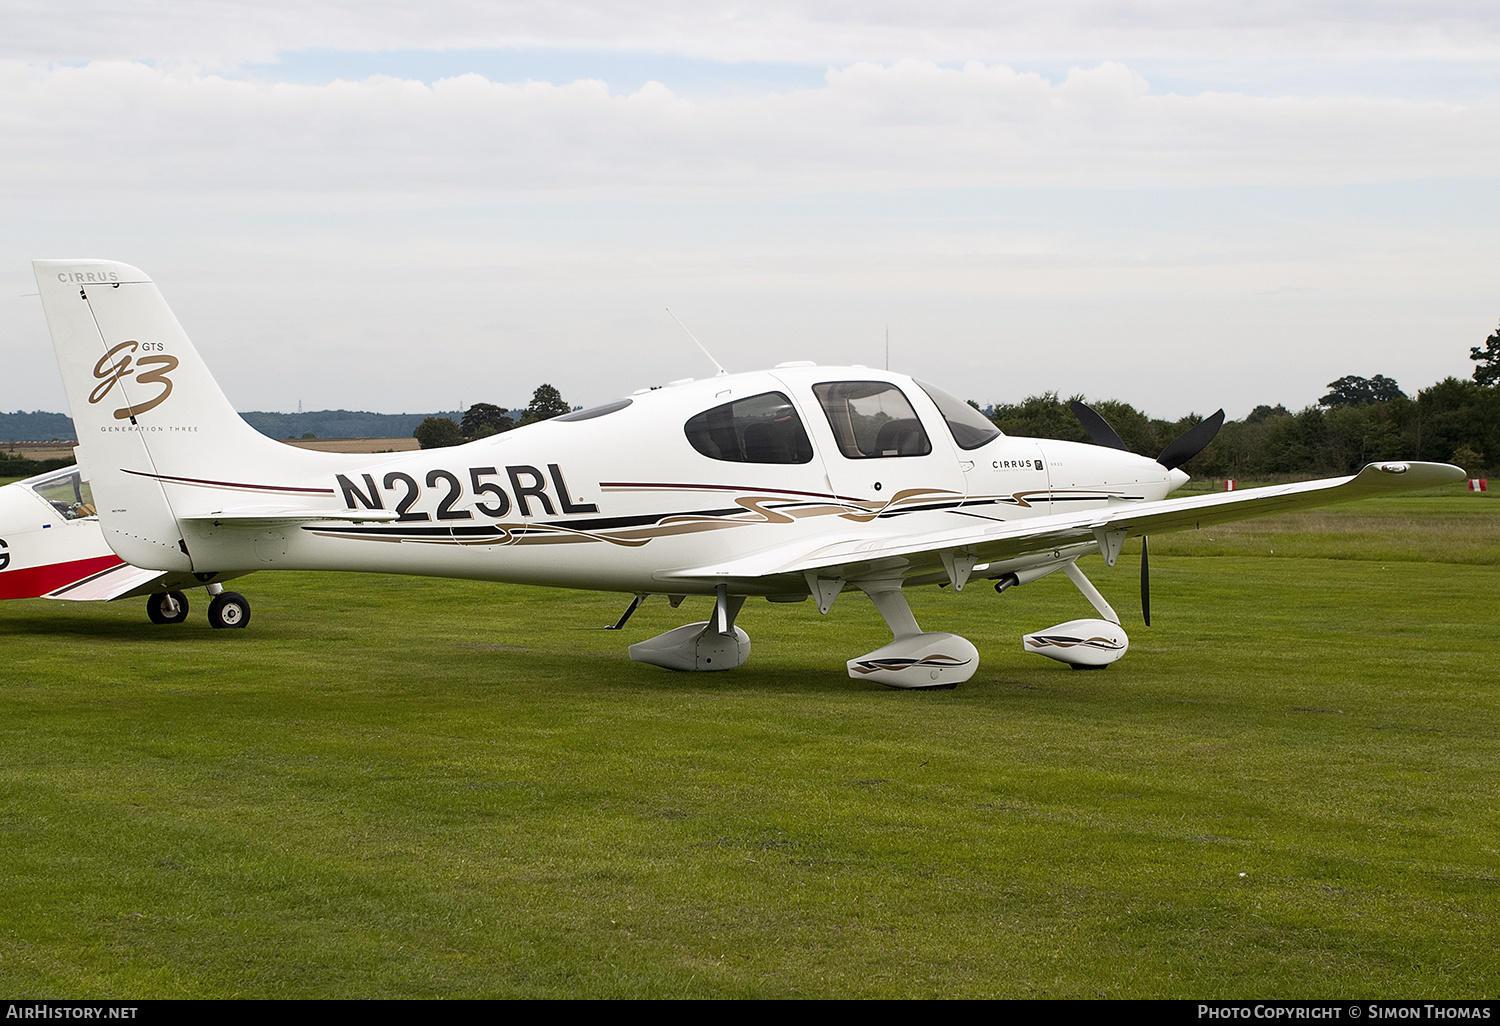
4, 555
117, 364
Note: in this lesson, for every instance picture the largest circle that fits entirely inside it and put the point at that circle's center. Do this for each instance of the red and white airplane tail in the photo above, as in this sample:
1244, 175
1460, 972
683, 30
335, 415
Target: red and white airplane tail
51, 547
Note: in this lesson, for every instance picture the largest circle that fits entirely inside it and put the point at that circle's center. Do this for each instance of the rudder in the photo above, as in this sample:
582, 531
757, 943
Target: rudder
144, 405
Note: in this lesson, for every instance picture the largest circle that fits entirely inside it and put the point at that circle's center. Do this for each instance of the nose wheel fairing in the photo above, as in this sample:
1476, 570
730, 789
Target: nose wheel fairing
1083, 644
1087, 644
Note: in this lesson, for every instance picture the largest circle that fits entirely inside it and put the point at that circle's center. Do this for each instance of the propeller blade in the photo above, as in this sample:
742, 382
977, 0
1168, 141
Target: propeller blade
1192, 442
1097, 427
1145, 584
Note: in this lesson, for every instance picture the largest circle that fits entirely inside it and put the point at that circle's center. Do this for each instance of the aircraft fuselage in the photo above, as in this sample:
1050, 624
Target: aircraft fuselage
620, 500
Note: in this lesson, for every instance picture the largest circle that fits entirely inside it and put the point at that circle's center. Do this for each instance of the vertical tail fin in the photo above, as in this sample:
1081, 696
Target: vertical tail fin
144, 404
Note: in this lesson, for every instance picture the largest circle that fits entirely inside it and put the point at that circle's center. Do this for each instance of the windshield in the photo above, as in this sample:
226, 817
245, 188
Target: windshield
969, 427
65, 491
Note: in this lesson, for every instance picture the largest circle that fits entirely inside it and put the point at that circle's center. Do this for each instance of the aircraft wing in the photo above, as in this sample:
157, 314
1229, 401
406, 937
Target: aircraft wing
991, 541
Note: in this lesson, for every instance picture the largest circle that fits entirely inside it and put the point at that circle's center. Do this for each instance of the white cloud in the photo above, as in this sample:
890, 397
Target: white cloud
223, 33
401, 244
125, 128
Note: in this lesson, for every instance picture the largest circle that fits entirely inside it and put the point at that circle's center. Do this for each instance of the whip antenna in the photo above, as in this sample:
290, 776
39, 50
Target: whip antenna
700, 345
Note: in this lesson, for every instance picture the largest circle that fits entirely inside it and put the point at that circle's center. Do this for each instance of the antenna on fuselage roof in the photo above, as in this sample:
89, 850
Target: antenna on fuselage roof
700, 345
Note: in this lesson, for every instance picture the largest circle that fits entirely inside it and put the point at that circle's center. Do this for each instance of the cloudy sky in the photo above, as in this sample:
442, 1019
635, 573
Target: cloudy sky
407, 207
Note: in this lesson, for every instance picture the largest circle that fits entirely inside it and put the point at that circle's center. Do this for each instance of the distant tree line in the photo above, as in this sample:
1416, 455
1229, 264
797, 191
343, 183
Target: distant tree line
484, 419
36, 426
39, 426
18, 466
1358, 421
336, 424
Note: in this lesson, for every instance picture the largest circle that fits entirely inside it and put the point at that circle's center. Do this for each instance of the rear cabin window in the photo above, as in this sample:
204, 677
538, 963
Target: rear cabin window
872, 419
760, 429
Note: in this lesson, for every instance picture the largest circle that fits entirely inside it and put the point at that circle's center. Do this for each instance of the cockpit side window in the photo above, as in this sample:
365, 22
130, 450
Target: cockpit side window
761, 429
969, 427
872, 419
67, 492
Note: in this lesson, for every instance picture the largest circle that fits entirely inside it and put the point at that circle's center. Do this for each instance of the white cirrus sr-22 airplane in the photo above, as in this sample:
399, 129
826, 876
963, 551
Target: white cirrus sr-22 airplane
793, 483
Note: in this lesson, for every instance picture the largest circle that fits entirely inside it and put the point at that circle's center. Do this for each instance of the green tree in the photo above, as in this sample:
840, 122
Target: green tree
546, 403
1357, 435
1352, 390
438, 432
485, 419
1264, 413
1138, 431
1488, 360
1454, 413
1295, 444
1039, 416
1467, 458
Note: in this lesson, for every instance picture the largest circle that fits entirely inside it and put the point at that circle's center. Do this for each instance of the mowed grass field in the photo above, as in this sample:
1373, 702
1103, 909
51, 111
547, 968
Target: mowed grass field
393, 787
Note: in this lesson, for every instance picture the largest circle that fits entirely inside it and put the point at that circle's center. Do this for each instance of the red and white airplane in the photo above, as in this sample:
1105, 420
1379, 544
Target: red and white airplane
800, 481
51, 547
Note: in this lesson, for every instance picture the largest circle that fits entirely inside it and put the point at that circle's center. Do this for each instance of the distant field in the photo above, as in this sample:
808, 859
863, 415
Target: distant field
52, 451
356, 444
421, 788
39, 450
1450, 525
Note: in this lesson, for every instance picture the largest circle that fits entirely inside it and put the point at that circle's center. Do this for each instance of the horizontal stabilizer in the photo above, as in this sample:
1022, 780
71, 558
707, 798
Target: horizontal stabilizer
120, 579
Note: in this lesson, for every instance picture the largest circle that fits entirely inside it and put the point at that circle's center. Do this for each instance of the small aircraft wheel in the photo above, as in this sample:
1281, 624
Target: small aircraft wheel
167, 607
229, 609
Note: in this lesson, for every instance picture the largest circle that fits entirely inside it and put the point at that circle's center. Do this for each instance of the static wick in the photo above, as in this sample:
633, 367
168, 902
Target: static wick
700, 345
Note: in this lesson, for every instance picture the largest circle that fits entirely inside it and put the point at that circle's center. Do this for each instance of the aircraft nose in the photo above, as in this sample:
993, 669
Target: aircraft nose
1178, 478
